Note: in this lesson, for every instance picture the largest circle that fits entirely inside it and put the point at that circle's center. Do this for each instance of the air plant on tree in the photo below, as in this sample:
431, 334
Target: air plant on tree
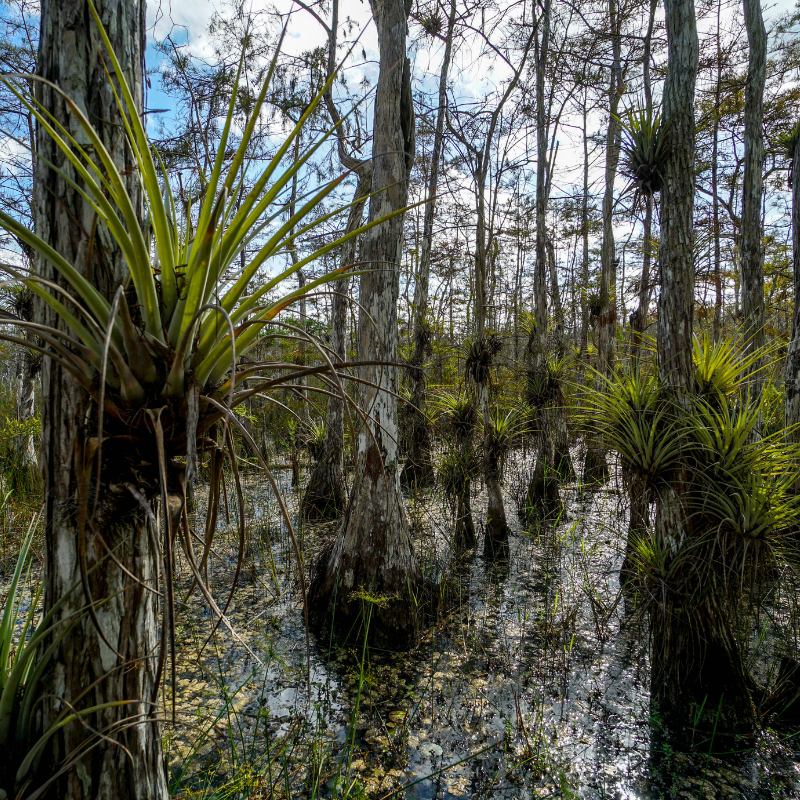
702, 590
645, 148
460, 464
161, 362
633, 420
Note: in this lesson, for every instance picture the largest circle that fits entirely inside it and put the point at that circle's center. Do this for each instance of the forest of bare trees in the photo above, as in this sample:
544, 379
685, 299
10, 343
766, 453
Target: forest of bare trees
399, 399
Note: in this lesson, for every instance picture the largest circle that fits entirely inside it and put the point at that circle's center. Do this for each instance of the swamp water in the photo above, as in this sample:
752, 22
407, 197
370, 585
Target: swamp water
533, 683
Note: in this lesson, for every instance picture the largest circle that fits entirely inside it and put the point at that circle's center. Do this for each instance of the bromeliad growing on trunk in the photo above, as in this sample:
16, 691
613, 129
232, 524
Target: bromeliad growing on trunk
160, 358
163, 359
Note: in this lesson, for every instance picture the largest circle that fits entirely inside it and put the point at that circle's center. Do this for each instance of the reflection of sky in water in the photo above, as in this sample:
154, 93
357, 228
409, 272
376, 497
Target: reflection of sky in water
544, 640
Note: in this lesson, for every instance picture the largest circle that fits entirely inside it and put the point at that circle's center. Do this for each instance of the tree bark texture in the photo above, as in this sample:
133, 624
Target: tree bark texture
696, 658
373, 551
418, 468
792, 380
543, 490
584, 344
752, 191
607, 323
676, 305
715, 187
639, 317
495, 542
559, 415
116, 752
325, 495
28, 367
464, 535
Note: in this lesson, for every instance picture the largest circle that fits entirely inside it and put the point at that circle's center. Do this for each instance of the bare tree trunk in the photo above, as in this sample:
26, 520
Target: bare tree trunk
301, 351
562, 460
584, 345
715, 188
793, 352
373, 549
28, 366
639, 317
676, 307
595, 467
464, 535
114, 752
607, 324
752, 191
418, 469
325, 495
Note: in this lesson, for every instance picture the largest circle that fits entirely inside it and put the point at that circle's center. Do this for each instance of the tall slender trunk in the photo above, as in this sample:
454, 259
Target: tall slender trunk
793, 353
675, 319
28, 364
555, 294
120, 744
752, 191
418, 469
496, 538
325, 496
595, 468
639, 317
696, 660
562, 460
584, 344
301, 350
715, 187
607, 324
542, 498
373, 549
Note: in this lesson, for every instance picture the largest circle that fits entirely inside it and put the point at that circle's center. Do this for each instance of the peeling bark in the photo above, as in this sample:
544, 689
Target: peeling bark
373, 551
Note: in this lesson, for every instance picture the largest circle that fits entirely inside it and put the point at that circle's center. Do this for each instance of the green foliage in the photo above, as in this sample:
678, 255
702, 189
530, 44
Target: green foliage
457, 468
721, 368
189, 322
314, 436
22, 667
645, 149
500, 434
786, 143
18, 474
479, 357
457, 411
545, 385
632, 418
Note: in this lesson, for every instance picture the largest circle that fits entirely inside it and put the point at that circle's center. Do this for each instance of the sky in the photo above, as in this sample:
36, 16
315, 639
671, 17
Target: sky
473, 77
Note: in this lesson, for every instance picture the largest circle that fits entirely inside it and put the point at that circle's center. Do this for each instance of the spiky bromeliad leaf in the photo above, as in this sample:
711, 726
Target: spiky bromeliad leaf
722, 367
458, 412
632, 419
479, 358
162, 360
457, 468
645, 148
786, 144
